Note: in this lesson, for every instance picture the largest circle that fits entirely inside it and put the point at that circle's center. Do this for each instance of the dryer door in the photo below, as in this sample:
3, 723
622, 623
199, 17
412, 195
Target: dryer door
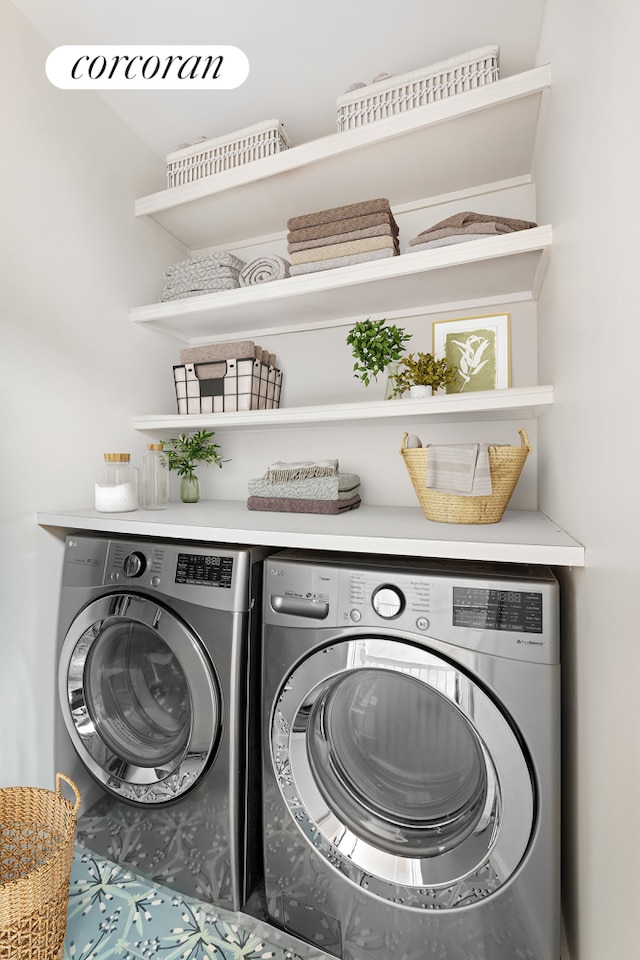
139, 697
403, 772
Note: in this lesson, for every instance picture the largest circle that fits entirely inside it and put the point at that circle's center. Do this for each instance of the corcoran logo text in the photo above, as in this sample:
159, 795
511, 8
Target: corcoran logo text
96, 67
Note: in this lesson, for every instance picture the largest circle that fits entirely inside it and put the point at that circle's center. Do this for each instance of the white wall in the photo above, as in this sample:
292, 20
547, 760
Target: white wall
73, 260
589, 454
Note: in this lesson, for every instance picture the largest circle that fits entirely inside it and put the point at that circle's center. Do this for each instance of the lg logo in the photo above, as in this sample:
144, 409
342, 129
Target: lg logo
276, 573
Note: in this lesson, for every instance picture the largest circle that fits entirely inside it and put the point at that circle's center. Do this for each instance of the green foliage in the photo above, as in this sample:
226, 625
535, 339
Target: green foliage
183, 453
424, 370
374, 344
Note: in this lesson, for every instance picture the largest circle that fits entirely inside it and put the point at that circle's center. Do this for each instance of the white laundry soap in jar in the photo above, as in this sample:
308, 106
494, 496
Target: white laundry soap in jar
116, 484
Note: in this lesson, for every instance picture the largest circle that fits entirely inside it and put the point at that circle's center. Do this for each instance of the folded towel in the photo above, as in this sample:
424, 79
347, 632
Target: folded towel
347, 225
379, 205
300, 470
263, 270
469, 222
218, 283
174, 293
382, 230
342, 486
221, 259
448, 241
318, 265
213, 352
277, 505
344, 249
459, 468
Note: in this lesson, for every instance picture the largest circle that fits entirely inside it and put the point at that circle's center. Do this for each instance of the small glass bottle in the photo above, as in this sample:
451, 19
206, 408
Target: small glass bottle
116, 484
154, 485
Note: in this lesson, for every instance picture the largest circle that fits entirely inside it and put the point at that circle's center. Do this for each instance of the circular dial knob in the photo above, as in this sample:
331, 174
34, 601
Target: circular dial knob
388, 602
134, 564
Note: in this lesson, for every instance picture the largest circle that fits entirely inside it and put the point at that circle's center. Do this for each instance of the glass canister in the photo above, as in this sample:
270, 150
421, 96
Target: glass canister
154, 480
116, 484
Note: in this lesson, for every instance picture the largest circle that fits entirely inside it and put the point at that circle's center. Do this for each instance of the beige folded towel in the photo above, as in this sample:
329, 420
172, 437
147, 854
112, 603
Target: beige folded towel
300, 470
346, 225
459, 468
469, 222
317, 265
379, 205
214, 352
344, 249
381, 230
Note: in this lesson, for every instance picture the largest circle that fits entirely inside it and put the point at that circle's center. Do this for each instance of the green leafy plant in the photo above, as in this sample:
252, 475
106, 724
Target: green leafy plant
424, 370
374, 345
183, 453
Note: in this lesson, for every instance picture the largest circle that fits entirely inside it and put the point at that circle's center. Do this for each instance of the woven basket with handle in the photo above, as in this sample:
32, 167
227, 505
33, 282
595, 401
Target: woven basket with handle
37, 835
505, 465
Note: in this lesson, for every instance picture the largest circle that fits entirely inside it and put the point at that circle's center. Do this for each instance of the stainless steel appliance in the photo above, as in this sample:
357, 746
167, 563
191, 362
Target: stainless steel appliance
158, 721
411, 756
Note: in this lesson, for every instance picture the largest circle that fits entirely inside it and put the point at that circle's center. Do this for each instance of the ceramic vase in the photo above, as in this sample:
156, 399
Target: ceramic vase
190, 489
419, 390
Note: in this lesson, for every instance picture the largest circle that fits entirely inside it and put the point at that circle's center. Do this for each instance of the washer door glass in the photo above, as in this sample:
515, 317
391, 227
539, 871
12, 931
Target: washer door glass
139, 697
397, 761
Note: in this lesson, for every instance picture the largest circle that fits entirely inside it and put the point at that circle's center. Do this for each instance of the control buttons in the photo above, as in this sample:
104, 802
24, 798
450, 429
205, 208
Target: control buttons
355, 615
134, 564
422, 623
114, 576
388, 602
155, 581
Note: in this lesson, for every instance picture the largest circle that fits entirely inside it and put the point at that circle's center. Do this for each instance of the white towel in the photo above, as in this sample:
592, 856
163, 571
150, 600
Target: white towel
300, 470
459, 468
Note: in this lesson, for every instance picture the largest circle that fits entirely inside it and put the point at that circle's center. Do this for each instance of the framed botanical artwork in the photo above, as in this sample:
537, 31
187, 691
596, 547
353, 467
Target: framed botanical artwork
480, 349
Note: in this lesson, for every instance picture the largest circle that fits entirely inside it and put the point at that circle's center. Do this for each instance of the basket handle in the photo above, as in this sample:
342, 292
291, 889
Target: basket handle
524, 440
61, 776
404, 440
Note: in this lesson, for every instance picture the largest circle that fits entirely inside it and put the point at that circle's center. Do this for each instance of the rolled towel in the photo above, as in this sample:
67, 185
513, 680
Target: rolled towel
344, 249
263, 270
276, 505
459, 468
382, 230
318, 265
347, 225
379, 205
300, 470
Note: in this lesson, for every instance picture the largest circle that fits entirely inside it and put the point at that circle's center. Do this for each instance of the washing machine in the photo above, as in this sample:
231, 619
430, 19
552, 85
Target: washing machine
158, 720
411, 757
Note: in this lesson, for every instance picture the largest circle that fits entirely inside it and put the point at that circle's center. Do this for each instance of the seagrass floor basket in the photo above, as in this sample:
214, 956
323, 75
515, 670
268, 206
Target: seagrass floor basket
37, 836
505, 465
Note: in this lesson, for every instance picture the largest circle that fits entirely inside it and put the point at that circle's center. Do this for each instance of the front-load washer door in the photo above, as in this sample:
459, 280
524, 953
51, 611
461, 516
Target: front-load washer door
403, 772
139, 697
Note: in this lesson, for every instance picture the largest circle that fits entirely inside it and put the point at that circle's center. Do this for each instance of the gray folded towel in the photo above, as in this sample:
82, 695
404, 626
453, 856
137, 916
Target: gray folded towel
220, 258
181, 292
275, 505
459, 468
318, 265
300, 470
334, 250
338, 487
263, 270
214, 352
379, 205
469, 222
346, 225
448, 241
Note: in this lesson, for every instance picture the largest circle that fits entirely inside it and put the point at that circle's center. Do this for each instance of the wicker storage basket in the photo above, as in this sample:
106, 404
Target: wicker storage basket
37, 834
397, 94
224, 153
505, 464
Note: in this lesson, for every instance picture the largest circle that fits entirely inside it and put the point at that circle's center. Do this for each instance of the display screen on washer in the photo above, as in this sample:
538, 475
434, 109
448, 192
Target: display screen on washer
513, 610
207, 570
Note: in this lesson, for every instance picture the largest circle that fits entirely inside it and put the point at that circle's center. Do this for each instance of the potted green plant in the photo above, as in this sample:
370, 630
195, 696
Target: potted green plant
183, 453
375, 345
422, 374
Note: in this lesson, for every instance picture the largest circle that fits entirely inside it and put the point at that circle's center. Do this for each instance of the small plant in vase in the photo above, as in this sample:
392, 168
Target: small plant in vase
422, 374
376, 346
183, 453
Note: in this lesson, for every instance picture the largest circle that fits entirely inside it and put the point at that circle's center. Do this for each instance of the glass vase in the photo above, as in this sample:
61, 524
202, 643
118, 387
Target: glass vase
392, 371
190, 489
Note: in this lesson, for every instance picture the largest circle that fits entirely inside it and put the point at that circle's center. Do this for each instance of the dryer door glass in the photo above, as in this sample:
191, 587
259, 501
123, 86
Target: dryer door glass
398, 762
137, 695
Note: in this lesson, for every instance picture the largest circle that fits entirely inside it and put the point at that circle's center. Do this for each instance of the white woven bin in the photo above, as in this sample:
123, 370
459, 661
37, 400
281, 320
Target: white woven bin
397, 94
209, 157
227, 386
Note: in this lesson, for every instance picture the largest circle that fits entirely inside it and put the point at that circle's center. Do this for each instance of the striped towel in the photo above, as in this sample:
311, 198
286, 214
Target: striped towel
461, 469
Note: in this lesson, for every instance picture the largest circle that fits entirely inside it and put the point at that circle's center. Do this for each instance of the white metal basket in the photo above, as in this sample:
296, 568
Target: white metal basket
227, 386
224, 153
397, 94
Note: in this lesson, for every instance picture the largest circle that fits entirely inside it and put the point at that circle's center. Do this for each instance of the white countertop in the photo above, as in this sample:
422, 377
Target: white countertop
522, 536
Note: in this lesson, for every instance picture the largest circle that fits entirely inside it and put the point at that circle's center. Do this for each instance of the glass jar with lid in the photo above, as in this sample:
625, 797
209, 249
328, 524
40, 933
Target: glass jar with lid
154, 479
116, 489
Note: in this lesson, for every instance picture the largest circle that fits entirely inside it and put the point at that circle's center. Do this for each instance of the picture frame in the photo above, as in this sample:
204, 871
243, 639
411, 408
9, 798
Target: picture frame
481, 349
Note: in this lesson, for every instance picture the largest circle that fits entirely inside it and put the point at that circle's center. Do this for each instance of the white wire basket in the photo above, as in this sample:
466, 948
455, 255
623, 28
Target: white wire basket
227, 386
397, 94
209, 157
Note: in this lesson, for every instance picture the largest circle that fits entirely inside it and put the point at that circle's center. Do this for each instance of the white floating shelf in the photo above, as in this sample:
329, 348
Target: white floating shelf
510, 266
522, 536
508, 404
424, 152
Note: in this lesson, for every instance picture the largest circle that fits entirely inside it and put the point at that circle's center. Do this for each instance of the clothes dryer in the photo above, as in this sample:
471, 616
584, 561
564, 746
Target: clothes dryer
411, 757
158, 708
